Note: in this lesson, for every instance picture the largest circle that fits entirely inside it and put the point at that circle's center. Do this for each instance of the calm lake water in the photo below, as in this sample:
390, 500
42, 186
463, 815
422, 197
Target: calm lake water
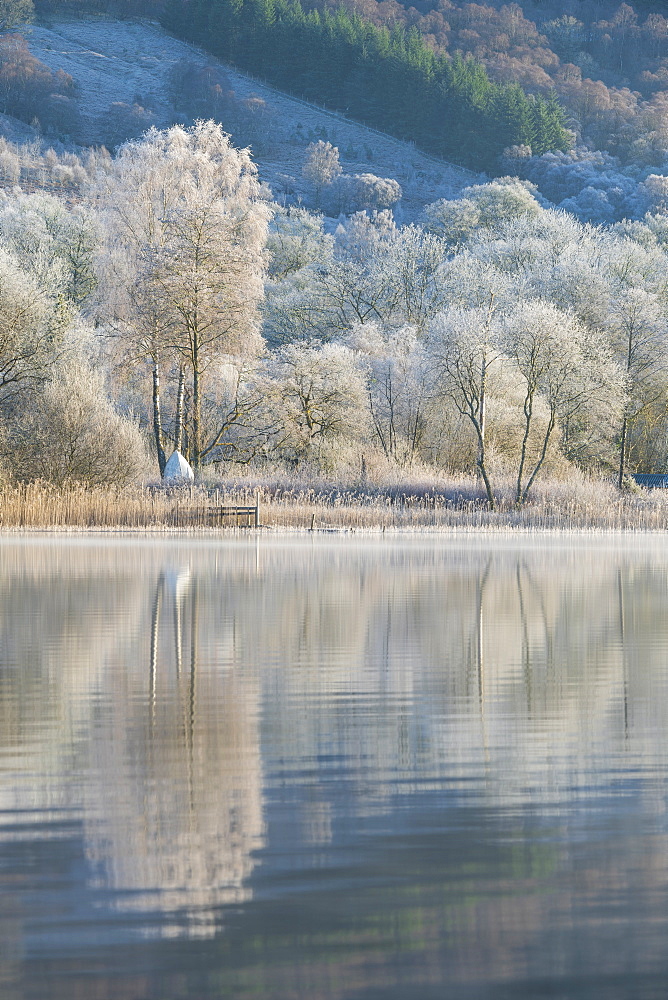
313, 768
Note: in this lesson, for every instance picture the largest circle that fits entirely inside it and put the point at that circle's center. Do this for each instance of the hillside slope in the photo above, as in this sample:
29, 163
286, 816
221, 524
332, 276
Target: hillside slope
131, 62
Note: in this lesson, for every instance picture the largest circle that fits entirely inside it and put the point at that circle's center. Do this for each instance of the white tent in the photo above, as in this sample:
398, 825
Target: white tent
178, 470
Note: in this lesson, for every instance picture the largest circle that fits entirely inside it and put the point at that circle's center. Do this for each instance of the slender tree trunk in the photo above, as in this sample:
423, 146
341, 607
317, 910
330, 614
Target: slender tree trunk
481, 461
622, 454
197, 415
481, 419
488, 485
482, 411
625, 421
473, 414
378, 429
539, 464
157, 419
391, 429
414, 435
178, 422
528, 411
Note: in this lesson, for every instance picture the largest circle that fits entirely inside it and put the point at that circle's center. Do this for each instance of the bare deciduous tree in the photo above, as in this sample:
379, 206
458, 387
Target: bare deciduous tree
561, 363
398, 385
464, 345
73, 434
187, 208
320, 393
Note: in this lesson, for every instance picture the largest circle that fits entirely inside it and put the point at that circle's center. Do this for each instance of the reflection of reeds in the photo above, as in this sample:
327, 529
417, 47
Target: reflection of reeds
556, 505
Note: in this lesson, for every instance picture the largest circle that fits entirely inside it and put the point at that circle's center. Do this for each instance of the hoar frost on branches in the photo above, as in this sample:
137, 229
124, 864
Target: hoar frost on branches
321, 167
29, 338
56, 246
464, 345
187, 212
397, 371
541, 335
320, 394
565, 365
562, 370
73, 434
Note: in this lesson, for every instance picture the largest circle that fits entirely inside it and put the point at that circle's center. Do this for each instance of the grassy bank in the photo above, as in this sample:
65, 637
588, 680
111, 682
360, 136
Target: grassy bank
591, 506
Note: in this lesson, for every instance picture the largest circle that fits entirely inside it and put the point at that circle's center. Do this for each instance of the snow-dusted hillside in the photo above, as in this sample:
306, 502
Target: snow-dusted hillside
130, 62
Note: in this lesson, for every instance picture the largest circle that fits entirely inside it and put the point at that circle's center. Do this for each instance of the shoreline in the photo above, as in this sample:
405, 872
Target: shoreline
265, 530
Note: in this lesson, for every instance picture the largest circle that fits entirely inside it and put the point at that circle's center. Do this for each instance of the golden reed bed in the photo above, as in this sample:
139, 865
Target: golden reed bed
597, 507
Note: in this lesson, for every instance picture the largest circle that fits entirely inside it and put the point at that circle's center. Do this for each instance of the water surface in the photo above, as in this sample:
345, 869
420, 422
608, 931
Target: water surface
306, 768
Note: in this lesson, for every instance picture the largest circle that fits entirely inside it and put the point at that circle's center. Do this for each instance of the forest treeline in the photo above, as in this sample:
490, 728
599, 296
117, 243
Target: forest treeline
175, 306
607, 61
607, 64
384, 77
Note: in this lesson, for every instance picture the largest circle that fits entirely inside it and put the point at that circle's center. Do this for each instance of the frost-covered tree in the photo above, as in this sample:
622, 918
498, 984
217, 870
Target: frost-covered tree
296, 239
188, 209
350, 193
328, 284
10, 162
654, 189
54, 244
320, 393
590, 184
410, 267
464, 346
295, 309
210, 274
637, 324
377, 273
482, 206
349, 290
374, 272
562, 364
561, 373
455, 219
321, 167
30, 334
134, 195
469, 280
73, 434
397, 370
239, 421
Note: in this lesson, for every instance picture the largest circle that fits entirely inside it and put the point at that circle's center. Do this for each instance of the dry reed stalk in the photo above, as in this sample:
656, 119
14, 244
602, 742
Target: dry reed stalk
41, 506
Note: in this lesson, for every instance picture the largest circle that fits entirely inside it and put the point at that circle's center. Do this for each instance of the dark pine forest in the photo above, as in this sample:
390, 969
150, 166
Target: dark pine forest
387, 78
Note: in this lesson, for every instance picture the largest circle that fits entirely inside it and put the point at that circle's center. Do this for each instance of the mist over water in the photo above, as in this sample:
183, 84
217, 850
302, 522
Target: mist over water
334, 768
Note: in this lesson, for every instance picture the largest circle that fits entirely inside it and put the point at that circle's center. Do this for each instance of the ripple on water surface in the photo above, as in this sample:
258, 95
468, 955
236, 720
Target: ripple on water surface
305, 768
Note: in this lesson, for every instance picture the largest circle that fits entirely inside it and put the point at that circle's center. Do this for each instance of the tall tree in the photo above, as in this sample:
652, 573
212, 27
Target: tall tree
638, 281
189, 211
562, 364
465, 344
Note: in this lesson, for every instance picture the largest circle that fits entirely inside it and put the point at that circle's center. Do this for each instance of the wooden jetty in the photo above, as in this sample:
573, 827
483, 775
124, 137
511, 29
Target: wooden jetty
221, 515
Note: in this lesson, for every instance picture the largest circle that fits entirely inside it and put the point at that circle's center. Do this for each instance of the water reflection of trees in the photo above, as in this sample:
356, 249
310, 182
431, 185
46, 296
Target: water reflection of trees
500, 673
176, 829
121, 679
499, 663
458, 638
